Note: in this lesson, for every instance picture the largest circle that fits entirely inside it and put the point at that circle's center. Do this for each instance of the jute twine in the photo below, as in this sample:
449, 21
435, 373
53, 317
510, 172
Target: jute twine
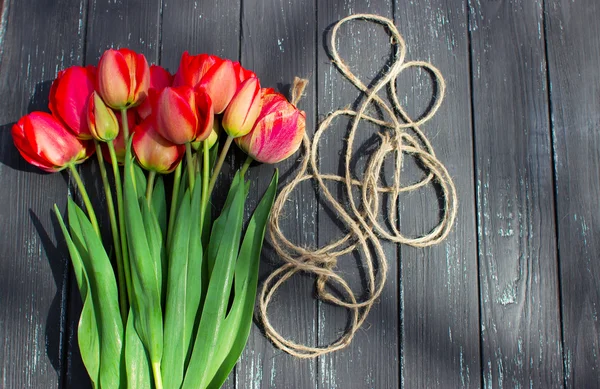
401, 136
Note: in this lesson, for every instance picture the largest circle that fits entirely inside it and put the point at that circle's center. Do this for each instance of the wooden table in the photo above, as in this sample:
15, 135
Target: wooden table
510, 299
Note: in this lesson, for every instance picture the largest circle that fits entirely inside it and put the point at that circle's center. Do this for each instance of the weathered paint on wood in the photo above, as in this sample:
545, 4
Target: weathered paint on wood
520, 320
33, 265
278, 43
440, 317
573, 60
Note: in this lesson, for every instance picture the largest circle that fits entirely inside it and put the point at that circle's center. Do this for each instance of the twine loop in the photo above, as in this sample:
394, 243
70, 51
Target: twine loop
400, 136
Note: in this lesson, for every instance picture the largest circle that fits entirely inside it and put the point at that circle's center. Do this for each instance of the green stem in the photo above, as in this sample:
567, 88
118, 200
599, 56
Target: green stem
205, 173
190, 165
246, 165
86, 199
125, 125
115, 234
174, 199
150, 187
219, 165
119, 186
157, 377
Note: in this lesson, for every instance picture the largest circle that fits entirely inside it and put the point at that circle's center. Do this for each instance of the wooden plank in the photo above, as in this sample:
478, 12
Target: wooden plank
131, 24
439, 304
278, 51
372, 358
202, 27
520, 321
573, 45
36, 40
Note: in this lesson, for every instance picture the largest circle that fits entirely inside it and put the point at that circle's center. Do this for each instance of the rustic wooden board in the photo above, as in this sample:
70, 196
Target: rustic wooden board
33, 266
131, 24
573, 59
202, 27
440, 303
279, 50
365, 48
520, 321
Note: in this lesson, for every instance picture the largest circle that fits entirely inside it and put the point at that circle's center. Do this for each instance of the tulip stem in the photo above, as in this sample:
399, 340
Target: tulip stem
246, 165
157, 376
205, 173
150, 187
190, 165
174, 199
85, 198
218, 166
119, 186
125, 125
115, 233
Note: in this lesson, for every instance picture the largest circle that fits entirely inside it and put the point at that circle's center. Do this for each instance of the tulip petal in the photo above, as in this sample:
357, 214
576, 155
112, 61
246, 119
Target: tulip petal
220, 82
114, 79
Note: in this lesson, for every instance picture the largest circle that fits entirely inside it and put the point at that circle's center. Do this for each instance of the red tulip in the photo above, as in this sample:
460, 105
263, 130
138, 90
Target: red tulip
69, 96
118, 142
160, 78
242, 111
46, 143
242, 73
154, 152
220, 82
177, 115
193, 67
123, 78
206, 116
278, 131
102, 121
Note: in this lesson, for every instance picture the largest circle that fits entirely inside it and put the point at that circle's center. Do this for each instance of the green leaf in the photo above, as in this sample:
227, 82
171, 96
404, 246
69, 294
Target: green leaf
159, 205
140, 179
87, 332
104, 294
145, 265
224, 245
238, 323
139, 371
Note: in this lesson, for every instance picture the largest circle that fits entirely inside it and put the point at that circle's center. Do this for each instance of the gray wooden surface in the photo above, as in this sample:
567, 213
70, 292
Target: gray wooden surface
509, 300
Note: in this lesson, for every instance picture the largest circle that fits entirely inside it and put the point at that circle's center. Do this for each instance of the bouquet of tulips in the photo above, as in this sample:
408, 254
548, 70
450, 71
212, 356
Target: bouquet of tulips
169, 304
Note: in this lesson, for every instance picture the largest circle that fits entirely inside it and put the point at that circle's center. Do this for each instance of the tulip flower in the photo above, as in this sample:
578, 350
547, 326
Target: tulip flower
177, 115
69, 95
123, 78
118, 142
206, 116
193, 67
160, 78
153, 151
242, 111
242, 73
102, 121
212, 138
278, 131
46, 143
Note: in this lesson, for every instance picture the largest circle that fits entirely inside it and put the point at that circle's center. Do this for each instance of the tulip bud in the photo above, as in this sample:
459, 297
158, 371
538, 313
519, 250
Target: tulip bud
176, 114
102, 121
242, 73
46, 143
154, 152
242, 111
123, 78
220, 82
160, 78
206, 116
278, 131
69, 94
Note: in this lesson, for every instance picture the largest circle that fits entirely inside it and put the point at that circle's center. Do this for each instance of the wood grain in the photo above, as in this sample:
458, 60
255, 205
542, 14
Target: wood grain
36, 41
439, 304
279, 48
521, 343
365, 48
573, 62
